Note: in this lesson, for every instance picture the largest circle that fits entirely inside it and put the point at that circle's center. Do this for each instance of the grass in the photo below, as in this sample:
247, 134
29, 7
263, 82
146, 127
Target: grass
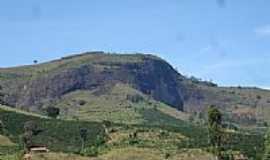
93, 58
111, 104
5, 141
58, 156
131, 153
244, 106
58, 135
160, 130
10, 109
227, 98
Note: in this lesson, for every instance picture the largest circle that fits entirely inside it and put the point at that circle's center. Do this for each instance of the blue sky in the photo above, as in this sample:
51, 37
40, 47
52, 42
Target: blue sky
226, 41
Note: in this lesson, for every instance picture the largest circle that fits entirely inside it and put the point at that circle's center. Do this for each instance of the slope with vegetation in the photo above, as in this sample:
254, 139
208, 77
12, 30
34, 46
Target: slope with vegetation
161, 136
119, 106
91, 75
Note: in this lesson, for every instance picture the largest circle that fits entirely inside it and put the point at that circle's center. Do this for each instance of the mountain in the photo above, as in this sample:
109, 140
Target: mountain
134, 106
93, 81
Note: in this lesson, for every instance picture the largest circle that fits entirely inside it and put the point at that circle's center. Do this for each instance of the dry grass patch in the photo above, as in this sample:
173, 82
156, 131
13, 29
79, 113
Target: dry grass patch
133, 154
5, 141
59, 156
192, 154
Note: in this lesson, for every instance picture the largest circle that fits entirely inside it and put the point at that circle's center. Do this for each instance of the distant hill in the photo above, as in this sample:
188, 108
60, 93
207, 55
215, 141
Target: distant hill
88, 83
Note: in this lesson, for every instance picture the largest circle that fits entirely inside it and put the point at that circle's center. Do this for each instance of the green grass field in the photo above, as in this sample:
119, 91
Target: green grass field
158, 135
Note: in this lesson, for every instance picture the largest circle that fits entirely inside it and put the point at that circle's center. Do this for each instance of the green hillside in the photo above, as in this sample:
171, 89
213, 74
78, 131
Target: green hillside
160, 134
98, 79
133, 107
119, 103
58, 135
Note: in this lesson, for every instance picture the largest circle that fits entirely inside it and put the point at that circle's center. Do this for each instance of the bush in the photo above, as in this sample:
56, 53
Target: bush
133, 141
1, 127
107, 124
53, 112
81, 102
135, 98
90, 151
163, 134
167, 155
30, 126
93, 150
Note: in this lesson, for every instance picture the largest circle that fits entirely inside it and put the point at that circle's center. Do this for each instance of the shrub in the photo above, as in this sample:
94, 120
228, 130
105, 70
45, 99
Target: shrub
135, 98
107, 123
167, 155
99, 141
162, 134
31, 126
1, 127
81, 102
53, 112
83, 135
214, 129
27, 139
90, 151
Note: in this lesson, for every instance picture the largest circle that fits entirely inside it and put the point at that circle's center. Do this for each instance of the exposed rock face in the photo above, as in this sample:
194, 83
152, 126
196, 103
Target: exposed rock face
36, 86
151, 76
160, 80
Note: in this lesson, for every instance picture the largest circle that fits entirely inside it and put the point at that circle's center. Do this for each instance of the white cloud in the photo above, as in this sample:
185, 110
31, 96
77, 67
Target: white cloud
263, 31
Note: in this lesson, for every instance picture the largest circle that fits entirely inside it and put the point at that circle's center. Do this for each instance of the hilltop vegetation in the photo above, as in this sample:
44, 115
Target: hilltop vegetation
95, 75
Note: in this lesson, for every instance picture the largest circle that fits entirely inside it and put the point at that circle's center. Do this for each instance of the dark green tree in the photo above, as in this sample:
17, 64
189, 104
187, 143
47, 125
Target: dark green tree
1, 127
30, 126
267, 146
53, 112
30, 130
83, 135
2, 95
215, 130
27, 140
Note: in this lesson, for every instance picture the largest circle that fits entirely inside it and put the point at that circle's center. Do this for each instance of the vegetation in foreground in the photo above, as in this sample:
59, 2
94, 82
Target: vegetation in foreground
161, 136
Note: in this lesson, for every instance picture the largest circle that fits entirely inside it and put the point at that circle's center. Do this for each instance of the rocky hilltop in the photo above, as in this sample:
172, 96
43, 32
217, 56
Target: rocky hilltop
35, 86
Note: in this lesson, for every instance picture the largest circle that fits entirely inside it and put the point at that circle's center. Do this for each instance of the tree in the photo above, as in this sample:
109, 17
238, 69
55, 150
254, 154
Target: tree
215, 130
266, 155
83, 135
30, 126
27, 140
30, 130
1, 127
2, 95
53, 112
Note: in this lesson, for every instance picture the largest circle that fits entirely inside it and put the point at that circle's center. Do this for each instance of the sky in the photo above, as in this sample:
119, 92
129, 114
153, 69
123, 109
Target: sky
226, 41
